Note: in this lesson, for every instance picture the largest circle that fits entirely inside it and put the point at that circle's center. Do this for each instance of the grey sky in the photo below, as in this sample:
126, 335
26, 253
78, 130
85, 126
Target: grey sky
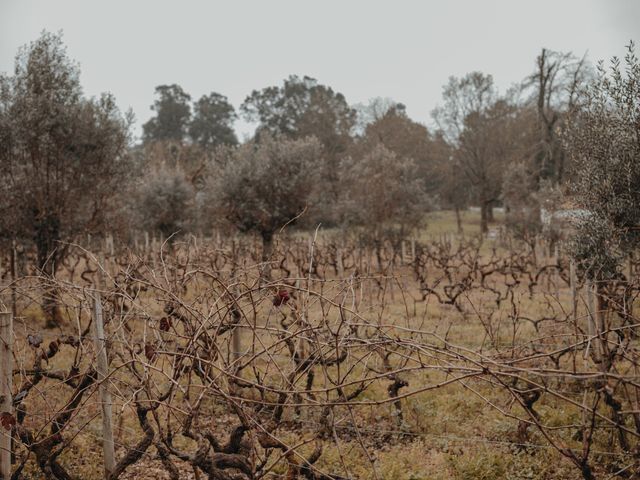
400, 49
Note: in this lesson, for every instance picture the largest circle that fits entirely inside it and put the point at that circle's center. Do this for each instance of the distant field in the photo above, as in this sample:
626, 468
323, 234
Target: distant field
444, 222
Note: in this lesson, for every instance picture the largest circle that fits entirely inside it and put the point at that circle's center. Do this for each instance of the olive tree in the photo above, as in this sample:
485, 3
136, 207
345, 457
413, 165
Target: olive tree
383, 195
603, 142
166, 201
303, 107
263, 186
63, 158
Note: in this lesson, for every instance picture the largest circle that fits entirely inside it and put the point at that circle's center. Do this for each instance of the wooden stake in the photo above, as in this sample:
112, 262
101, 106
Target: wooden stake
339, 263
105, 395
573, 287
592, 309
6, 379
14, 276
556, 274
593, 327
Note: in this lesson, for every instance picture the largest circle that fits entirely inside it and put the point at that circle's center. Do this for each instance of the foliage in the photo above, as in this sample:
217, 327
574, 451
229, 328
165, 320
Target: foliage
63, 158
173, 114
166, 201
212, 122
374, 110
263, 186
603, 141
383, 195
521, 202
408, 139
302, 107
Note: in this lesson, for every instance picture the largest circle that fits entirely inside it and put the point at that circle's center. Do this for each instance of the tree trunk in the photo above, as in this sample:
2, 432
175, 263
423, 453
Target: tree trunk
47, 239
484, 227
490, 217
458, 219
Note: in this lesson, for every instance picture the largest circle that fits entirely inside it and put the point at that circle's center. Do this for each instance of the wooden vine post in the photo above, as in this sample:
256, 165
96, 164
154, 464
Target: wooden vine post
6, 403
105, 395
573, 281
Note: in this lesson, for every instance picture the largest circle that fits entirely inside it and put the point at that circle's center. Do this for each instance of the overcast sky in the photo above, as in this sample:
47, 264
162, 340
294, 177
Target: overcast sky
405, 50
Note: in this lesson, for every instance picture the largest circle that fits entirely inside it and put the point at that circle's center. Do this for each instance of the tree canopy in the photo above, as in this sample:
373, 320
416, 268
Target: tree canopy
63, 158
602, 140
302, 107
212, 122
173, 115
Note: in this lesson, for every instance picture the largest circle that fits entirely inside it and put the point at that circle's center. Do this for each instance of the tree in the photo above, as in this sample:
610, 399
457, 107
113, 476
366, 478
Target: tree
486, 131
302, 107
212, 122
173, 114
556, 83
263, 186
374, 110
603, 141
463, 121
454, 188
407, 139
522, 208
471, 94
170, 189
382, 195
166, 201
63, 158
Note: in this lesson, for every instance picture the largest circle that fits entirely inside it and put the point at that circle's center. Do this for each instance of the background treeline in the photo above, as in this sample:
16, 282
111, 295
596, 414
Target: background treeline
69, 166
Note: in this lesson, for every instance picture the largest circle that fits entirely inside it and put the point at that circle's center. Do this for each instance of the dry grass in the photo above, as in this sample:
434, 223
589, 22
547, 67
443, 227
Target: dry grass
457, 431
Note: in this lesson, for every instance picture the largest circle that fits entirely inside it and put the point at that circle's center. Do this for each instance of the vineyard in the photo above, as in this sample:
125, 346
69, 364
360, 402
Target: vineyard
444, 356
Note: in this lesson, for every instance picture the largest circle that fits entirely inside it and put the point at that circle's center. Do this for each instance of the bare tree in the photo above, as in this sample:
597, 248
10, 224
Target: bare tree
521, 204
464, 120
556, 83
486, 132
454, 188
